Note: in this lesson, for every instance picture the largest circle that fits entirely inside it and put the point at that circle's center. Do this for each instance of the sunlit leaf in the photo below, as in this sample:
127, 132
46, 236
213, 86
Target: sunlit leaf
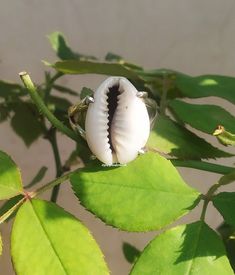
206, 85
225, 204
93, 67
10, 178
186, 249
171, 138
203, 117
45, 238
133, 197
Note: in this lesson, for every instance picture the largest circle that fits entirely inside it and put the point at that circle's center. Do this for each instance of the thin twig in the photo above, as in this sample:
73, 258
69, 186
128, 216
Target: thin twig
44, 110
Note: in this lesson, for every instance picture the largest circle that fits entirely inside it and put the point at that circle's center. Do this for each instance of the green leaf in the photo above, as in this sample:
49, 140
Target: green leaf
10, 177
8, 205
92, 67
186, 249
25, 122
206, 85
133, 197
228, 234
171, 138
202, 117
61, 48
225, 204
38, 177
85, 92
113, 57
130, 252
45, 238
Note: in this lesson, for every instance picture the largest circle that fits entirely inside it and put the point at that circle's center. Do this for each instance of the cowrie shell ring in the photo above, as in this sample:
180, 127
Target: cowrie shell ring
117, 124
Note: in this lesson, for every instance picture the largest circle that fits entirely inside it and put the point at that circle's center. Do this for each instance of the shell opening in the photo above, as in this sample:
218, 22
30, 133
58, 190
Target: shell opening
112, 100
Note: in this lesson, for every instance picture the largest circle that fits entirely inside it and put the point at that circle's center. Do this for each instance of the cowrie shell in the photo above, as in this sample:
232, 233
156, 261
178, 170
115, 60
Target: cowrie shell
117, 124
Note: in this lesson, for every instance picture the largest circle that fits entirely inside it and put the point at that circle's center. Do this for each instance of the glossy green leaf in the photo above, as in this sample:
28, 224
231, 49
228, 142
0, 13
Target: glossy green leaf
203, 117
93, 67
133, 197
186, 249
130, 252
225, 204
48, 240
206, 85
171, 138
63, 51
10, 177
25, 122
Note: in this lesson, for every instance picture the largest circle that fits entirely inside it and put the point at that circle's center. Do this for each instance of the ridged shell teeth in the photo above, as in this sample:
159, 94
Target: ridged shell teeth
116, 135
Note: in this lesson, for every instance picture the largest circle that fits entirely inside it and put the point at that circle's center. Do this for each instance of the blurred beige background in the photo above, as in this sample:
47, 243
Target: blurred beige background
193, 36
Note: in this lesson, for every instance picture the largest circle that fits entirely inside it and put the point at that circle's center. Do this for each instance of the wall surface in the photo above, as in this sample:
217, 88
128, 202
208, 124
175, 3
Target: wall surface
193, 36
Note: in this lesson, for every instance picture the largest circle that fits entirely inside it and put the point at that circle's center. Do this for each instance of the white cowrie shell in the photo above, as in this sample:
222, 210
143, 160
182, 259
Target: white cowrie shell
117, 124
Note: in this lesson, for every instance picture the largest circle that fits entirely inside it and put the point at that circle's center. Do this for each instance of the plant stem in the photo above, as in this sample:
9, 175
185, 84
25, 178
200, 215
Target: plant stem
31, 195
44, 110
59, 169
52, 184
207, 198
50, 83
202, 165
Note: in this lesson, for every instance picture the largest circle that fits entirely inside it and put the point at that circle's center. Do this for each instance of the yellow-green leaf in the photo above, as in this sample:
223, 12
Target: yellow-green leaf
48, 240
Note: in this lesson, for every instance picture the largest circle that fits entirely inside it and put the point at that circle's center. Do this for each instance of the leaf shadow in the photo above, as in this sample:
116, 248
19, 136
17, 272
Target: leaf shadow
199, 241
